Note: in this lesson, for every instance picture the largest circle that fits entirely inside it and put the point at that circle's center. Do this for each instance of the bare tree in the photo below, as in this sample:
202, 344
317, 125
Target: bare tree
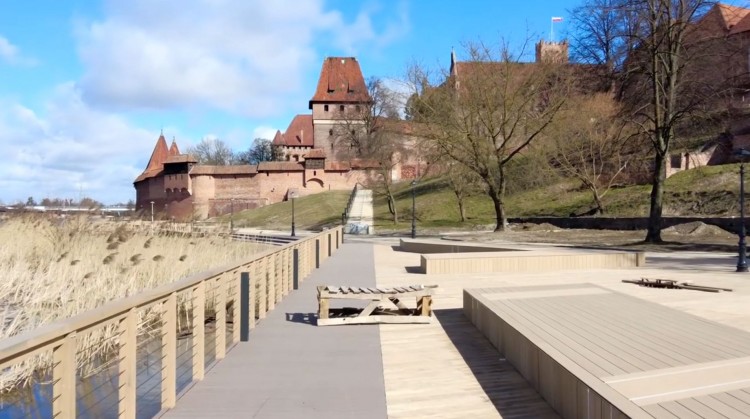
373, 135
670, 77
212, 151
261, 150
488, 111
588, 144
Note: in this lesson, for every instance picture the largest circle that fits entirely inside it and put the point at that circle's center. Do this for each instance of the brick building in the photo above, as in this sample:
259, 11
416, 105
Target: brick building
313, 159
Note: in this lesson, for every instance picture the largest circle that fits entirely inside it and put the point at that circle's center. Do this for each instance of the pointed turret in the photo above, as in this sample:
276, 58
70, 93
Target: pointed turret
173, 149
156, 162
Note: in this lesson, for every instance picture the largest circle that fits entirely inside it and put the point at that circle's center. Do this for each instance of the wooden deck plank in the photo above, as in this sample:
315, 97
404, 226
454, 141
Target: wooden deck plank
584, 356
680, 411
659, 412
711, 337
700, 409
607, 341
732, 402
725, 409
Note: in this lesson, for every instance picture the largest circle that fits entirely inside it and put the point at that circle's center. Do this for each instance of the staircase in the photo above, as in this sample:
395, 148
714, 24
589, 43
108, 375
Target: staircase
360, 213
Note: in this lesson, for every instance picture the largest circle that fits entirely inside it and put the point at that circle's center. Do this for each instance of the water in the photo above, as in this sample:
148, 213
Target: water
97, 395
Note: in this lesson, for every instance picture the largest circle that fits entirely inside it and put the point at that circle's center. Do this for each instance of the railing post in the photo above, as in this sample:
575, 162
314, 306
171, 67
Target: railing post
199, 315
128, 331
263, 291
278, 278
169, 352
295, 268
252, 297
271, 282
64, 378
235, 284
329, 244
284, 272
220, 309
317, 253
244, 306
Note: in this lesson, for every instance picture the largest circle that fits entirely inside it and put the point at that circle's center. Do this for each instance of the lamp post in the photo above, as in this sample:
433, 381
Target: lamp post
152, 212
742, 256
292, 198
413, 210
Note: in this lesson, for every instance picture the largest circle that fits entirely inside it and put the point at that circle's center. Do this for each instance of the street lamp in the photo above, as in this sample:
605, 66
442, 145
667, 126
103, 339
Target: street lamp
152, 212
292, 198
742, 257
413, 210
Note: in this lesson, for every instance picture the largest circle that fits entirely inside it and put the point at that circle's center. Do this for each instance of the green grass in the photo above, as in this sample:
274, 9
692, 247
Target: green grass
310, 212
710, 190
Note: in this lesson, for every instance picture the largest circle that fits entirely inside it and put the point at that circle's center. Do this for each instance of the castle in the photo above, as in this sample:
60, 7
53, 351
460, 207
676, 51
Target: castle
312, 159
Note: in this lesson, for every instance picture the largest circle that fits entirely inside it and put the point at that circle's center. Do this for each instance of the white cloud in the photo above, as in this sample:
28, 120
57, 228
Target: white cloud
265, 132
246, 57
8, 51
68, 150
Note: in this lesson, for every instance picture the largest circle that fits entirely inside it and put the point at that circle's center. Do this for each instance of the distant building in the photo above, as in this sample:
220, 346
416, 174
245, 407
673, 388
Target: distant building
313, 159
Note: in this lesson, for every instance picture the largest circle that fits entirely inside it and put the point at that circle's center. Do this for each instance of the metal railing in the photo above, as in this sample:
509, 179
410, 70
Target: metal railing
271, 277
348, 210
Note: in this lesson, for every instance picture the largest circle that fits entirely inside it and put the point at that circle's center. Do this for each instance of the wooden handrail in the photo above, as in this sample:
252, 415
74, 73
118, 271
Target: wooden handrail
269, 270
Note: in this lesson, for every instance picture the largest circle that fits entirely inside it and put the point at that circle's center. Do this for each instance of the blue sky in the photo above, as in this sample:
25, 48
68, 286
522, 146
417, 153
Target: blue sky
86, 86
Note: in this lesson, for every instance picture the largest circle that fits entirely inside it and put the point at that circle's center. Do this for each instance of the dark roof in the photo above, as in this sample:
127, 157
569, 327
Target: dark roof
181, 158
340, 81
243, 169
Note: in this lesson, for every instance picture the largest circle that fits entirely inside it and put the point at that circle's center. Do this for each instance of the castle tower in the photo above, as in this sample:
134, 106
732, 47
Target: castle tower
340, 96
554, 52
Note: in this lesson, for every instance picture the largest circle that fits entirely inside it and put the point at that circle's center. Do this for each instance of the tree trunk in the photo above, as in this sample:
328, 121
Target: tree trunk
653, 234
461, 208
598, 201
499, 212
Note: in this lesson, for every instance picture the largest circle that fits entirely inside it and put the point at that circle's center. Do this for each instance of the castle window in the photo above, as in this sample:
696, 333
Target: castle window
325, 108
341, 108
315, 172
354, 132
357, 108
330, 132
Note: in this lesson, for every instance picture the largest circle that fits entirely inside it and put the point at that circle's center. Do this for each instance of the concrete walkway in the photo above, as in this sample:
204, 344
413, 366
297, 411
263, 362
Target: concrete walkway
361, 215
293, 369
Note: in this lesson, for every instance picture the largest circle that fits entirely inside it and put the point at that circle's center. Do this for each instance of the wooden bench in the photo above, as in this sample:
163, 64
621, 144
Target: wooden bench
385, 306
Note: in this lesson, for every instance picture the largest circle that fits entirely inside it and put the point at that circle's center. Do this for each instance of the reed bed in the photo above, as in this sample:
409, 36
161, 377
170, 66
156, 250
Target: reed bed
51, 269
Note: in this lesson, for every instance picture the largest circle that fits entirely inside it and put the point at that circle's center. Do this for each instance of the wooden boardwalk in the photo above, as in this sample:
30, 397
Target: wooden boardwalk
290, 369
643, 359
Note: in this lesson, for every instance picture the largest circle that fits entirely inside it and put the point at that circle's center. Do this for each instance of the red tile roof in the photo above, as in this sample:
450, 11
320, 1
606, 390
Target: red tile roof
337, 166
364, 164
243, 169
278, 139
732, 15
156, 162
340, 81
173, 150
315, 153
280, 166
298, 134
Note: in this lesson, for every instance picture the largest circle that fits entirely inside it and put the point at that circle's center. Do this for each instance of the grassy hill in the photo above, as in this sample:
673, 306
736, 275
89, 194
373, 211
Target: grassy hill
703, 191
310, 212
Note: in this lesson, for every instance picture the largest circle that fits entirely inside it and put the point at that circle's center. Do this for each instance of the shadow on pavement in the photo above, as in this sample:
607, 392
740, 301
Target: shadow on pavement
509, 392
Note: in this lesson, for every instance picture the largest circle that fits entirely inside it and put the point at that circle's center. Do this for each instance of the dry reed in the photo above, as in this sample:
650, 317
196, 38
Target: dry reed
51, 269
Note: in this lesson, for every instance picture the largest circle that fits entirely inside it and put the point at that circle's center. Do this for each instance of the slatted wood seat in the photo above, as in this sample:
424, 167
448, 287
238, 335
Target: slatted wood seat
386, 305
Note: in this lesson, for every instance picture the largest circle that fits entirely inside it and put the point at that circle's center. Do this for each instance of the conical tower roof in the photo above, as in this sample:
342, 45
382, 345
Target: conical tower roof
156, 162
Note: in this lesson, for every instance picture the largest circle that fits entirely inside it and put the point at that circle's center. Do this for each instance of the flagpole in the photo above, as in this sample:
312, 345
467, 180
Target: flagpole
551, 30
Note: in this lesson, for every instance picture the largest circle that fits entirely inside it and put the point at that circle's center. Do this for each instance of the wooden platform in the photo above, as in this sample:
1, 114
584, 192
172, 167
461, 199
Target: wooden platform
385, 305
592, 352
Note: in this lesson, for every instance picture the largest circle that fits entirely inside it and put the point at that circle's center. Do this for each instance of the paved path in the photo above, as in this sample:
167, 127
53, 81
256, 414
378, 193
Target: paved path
361, 214
292, 369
